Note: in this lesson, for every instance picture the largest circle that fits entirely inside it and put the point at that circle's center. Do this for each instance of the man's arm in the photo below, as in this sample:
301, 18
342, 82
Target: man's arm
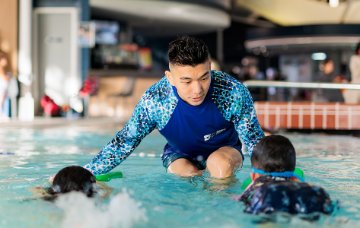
245, 120
125, 141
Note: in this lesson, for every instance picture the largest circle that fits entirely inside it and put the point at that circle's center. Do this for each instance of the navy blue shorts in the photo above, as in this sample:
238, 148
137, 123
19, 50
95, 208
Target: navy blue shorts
170, 154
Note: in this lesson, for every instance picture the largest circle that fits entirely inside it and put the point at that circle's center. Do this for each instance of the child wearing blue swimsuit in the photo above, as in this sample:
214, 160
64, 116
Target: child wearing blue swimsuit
275, 187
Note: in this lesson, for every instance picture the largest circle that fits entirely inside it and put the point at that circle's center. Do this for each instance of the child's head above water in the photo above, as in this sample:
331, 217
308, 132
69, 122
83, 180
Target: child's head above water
274, 187
274, 153
73, 178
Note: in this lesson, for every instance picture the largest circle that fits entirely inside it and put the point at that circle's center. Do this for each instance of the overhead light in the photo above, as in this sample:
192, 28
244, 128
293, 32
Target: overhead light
334, 3
318, 56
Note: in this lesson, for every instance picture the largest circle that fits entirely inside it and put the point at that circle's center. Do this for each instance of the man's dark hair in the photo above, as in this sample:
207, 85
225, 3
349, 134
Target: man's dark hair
187, 50
73, 178
274, 153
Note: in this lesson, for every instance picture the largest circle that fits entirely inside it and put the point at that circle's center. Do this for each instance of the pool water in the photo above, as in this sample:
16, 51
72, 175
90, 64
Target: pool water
147, 196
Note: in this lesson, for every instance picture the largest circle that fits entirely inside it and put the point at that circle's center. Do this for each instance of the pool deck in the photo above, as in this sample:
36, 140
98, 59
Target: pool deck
42, 122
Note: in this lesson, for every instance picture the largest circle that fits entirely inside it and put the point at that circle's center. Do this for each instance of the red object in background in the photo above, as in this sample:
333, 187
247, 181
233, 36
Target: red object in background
145, 59
49, 106
129, 47
90, 87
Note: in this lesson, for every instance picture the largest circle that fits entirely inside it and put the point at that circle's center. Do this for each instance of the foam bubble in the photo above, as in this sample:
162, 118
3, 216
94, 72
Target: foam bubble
80, 211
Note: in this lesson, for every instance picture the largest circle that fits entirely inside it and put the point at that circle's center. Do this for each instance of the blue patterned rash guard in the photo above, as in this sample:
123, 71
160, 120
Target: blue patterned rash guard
226, 115
277, 194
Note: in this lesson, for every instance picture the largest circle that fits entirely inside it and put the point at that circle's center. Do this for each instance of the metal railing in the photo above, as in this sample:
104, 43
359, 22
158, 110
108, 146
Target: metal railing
306, 85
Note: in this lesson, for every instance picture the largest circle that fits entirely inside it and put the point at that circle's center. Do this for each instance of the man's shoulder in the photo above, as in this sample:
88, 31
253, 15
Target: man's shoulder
227, 89
227, 84
223, 77
158, 91
159, 99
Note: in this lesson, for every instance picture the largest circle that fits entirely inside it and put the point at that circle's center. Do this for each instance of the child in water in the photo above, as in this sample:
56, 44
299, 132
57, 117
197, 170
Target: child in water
71, 178
275, 187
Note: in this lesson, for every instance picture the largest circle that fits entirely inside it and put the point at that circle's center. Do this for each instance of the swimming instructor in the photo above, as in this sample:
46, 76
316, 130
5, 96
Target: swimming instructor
204, 115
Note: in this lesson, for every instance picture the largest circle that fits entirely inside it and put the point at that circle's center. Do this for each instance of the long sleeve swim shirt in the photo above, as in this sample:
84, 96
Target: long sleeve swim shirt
226, 115
277, 194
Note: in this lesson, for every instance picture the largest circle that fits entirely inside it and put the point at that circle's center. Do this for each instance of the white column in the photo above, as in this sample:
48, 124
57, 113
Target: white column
26, 103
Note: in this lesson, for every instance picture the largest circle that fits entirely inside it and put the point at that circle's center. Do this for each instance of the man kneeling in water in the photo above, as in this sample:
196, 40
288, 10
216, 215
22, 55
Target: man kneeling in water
275, 187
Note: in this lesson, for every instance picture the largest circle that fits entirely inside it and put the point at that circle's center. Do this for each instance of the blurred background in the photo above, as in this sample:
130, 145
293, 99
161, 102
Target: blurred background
91, 58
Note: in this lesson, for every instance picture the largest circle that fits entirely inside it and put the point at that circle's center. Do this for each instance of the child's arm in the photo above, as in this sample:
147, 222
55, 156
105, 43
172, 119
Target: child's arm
40, 193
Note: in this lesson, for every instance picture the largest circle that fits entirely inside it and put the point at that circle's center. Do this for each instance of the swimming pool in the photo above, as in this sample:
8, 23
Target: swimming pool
149, 197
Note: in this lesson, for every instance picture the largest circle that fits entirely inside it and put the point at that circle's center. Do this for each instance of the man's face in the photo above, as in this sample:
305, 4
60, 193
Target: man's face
192, 83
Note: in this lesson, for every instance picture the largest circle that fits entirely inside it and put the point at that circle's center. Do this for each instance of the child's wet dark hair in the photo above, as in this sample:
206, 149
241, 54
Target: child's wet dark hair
274, 153
72, 178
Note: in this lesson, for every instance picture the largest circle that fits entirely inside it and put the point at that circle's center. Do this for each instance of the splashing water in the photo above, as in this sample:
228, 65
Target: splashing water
81, 211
